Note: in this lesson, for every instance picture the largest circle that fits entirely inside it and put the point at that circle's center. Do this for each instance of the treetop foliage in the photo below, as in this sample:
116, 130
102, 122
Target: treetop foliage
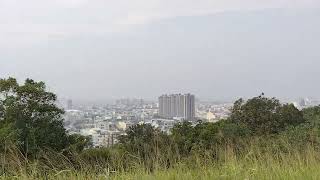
264, 115
29, 112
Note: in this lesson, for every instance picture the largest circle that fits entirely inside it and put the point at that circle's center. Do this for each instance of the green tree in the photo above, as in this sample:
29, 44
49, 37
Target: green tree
312, 115
77, 143
8, 132
141, 139
31, 114
147, 143
265, 115
206, 135
183, 135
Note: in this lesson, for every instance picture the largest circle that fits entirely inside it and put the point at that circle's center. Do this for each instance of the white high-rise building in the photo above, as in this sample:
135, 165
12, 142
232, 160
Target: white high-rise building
177, 105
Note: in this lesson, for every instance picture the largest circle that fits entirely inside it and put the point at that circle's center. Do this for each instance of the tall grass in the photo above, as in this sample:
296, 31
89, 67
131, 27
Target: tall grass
254, 160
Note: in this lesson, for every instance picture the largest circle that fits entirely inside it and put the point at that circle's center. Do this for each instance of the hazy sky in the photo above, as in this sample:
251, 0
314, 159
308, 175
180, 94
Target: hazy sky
217, 49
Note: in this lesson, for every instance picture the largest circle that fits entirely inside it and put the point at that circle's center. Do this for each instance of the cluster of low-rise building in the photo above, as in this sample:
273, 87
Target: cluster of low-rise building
105, 123
213, 111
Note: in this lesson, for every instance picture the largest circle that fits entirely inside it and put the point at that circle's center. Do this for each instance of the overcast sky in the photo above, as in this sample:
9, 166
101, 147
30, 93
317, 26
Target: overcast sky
217, 49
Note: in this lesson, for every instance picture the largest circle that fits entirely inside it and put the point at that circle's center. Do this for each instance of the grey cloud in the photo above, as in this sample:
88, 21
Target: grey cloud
217, 56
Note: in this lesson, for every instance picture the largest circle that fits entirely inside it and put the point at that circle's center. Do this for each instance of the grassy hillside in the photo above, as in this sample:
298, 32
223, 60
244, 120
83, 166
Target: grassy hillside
256, 163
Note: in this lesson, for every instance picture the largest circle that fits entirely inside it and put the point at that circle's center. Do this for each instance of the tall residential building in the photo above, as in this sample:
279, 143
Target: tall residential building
69, 104
177, 105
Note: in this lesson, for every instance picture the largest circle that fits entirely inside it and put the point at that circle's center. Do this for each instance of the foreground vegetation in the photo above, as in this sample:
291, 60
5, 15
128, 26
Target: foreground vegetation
262, 139
256, 163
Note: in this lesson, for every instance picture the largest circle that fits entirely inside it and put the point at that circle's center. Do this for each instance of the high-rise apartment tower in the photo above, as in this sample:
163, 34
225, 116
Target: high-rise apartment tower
177, 105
